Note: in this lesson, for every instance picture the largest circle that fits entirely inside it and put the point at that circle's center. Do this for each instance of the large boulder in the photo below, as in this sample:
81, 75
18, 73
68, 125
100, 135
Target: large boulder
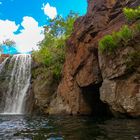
43, 87
121, 79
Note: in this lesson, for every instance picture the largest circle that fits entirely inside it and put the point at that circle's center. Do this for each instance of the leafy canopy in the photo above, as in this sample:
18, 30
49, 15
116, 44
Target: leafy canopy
51, 51
9, 43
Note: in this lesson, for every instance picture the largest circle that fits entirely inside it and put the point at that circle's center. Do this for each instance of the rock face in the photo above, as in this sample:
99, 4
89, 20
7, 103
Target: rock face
121, 85
89, 76
83, 73
43, 88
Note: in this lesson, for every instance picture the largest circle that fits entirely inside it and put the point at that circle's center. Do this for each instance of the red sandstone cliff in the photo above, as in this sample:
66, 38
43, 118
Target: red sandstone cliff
84, 74
92, 82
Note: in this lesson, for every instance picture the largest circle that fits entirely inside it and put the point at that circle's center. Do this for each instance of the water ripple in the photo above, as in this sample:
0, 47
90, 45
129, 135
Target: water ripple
67, 128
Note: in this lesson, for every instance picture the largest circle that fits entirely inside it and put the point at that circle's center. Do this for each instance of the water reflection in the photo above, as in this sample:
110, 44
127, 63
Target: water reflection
67, 128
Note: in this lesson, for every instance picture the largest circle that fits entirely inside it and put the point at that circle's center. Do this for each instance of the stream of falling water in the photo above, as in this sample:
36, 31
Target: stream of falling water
3, 64
18, 84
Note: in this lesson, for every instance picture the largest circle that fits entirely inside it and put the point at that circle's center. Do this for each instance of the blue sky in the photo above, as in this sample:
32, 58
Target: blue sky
19, 18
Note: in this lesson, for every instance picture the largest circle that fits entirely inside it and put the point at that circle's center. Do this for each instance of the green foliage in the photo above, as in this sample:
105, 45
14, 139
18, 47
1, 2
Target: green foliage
8, 43
52, 58
125, 34
51, 53
111, 42
107, 43
132, 14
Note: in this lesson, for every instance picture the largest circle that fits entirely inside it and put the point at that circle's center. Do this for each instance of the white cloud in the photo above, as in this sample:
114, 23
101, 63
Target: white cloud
7, 29
28, 37
50, 11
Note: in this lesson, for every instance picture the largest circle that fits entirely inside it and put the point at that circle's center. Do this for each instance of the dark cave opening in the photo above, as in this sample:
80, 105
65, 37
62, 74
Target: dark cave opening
91, 95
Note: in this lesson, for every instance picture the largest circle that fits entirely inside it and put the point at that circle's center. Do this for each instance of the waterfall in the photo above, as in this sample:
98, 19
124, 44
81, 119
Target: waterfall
18, 84
3, 64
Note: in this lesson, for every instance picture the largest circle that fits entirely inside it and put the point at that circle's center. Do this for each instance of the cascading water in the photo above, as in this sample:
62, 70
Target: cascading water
3, 64
19, 71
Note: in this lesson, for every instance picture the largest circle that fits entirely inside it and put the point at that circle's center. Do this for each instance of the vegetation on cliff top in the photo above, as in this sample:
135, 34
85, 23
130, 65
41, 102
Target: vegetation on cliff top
132, 14
121, 38
52, 49
110, 42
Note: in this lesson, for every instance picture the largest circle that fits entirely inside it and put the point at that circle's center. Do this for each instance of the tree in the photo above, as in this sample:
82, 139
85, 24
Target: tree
9, 43
51, 51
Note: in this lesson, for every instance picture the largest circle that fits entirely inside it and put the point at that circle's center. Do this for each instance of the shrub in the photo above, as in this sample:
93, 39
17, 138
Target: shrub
57, 71
107, 43
116, 37
125, 34
111, 42
132, 14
